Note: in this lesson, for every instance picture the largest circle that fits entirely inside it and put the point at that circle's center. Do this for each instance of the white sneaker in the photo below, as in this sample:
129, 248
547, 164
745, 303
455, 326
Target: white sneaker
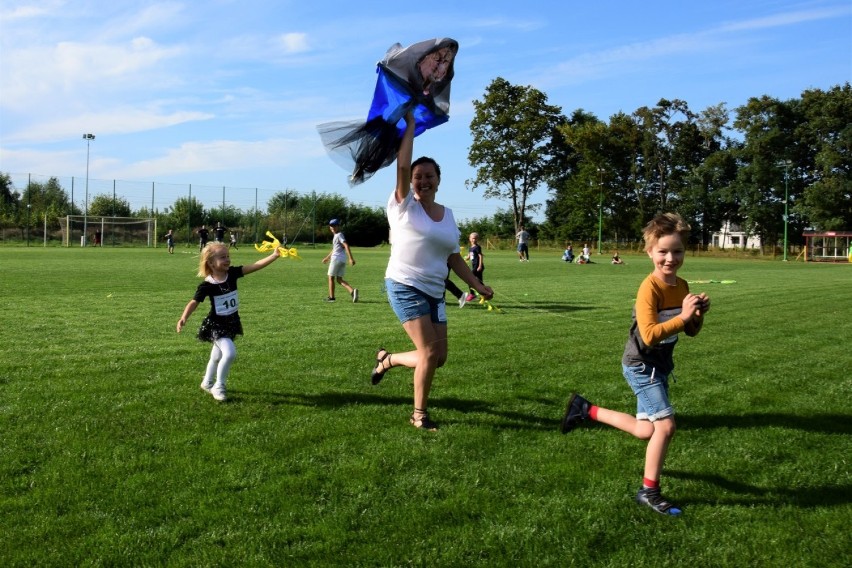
462, 301
219, 393
354, 295
205, 386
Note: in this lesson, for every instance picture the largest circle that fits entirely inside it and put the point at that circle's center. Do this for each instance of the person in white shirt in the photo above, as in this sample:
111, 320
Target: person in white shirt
340, 251
523, 238
425, 242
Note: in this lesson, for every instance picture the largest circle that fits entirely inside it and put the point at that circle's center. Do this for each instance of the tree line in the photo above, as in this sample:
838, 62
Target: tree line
769, 158
302, 217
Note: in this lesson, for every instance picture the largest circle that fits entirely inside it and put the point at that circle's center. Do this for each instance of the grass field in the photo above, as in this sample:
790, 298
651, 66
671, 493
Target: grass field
111, 455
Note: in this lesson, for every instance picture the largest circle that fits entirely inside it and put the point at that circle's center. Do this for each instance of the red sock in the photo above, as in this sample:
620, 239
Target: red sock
593, 412
650, 483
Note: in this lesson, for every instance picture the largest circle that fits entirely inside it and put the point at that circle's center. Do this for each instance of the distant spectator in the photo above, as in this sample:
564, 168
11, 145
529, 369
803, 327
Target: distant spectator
219, 233
203, 236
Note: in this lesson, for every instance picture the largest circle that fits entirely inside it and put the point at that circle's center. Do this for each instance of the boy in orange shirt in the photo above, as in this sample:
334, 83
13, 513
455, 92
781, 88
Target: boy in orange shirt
664, 307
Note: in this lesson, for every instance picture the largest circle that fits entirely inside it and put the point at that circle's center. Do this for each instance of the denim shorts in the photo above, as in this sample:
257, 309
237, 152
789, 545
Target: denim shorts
409, 303
651, 390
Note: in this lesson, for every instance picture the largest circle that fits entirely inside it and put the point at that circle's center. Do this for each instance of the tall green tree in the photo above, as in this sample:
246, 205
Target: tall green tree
45, 198
184, 216
768, 126
109, 206
825, 126
9, 198
514, 136
669, 133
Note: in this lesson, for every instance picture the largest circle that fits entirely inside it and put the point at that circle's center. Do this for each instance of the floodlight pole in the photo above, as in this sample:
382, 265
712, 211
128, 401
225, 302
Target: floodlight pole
88, 137
786, 164
600, 208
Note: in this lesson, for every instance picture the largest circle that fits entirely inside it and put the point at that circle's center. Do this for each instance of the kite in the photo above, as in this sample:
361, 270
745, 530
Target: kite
283, 252
414, 78
491, 307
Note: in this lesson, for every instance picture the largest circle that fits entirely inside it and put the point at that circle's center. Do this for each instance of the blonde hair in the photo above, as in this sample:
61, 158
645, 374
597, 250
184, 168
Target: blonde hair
209, 250
662, 225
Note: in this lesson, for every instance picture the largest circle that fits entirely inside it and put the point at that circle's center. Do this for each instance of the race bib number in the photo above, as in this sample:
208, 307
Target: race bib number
226, 304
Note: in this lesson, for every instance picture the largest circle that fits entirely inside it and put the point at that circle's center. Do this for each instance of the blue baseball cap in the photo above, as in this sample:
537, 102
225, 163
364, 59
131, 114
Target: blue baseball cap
334, 222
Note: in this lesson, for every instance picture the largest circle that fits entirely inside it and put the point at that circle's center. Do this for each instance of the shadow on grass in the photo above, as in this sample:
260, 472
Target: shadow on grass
740, 493
471, 408
544, 306
822, 423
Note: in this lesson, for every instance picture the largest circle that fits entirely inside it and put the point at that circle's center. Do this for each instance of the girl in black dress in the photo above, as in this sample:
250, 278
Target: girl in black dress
222, 324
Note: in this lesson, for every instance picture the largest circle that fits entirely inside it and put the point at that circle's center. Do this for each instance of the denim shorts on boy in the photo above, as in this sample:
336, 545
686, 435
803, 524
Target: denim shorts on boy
651, 390
336, 268
409, 303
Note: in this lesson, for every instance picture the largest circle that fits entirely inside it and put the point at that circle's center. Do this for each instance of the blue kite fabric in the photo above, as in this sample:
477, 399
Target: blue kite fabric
415, 78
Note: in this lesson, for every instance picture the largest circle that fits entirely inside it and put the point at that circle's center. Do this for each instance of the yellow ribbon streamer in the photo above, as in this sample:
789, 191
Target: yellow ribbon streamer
269, 246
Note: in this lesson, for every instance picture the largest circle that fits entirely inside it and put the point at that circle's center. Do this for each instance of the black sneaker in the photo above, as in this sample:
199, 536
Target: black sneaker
652, 498
576, 411
330, 299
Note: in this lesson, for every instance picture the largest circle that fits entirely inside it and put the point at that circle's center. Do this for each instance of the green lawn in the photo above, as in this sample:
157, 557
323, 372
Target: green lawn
112, 455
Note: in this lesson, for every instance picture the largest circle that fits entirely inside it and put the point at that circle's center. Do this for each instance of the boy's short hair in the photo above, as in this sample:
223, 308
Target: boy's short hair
662, 225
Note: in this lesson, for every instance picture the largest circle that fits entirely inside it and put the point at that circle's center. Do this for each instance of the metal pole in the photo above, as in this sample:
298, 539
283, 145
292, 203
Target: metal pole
88, 137
786, 164
600, 208
786, 200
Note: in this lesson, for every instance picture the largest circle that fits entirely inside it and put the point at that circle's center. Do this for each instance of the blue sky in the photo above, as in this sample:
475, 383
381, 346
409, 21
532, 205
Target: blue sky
229, 93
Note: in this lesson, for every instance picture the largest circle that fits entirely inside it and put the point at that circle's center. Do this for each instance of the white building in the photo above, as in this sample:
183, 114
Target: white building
731, 235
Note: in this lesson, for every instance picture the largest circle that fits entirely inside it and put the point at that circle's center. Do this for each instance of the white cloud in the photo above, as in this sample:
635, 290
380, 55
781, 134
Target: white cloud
29, 11
294, 42
42, 75
221, 155
785, 19
116, 120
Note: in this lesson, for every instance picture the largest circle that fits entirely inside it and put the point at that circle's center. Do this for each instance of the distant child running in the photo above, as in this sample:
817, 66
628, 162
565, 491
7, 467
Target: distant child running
337, 262
664, 308
222, 324
477, 262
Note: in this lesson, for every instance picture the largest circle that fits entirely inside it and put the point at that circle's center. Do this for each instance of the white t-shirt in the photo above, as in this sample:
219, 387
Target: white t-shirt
420, 246
338, 252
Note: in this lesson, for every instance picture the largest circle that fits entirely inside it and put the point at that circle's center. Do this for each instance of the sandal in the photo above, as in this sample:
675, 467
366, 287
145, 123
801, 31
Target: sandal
376, 376
422, 423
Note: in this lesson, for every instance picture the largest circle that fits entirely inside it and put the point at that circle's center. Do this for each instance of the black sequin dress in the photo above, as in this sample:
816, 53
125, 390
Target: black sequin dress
224, 317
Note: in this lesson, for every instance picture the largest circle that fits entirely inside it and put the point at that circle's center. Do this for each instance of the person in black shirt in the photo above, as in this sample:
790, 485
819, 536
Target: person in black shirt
222, 324
203, 236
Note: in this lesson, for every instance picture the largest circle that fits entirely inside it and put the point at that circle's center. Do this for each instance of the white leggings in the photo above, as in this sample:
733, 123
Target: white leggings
221, 356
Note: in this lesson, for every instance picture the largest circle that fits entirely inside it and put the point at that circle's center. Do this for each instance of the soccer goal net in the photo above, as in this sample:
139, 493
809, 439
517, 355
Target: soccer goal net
97, 230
